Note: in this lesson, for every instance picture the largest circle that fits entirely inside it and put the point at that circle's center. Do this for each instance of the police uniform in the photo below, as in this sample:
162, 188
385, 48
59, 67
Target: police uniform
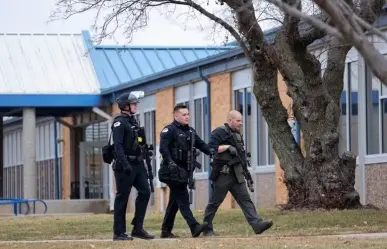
173, 149
226, 177
129, 170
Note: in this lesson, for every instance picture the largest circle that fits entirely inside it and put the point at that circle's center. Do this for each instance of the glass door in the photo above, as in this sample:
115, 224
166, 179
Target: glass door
93, 172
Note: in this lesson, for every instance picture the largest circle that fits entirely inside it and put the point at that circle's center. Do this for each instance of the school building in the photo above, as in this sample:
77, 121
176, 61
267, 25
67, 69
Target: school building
57, 97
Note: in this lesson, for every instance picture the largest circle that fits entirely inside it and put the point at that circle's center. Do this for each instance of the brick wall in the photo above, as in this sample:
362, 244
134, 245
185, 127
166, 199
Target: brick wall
165, 102
221, 104
66, 163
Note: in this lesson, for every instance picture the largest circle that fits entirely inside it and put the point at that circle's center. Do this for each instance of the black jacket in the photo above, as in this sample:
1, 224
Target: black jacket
174, 144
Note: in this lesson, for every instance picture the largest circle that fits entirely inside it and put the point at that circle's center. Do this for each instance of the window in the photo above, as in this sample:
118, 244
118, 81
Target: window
344, 119
150, 133
243, 99
96, 132
243, 105
137, 117
353, 87
200, 121
186, 103
265, 150
45, 161
375, 112
348, 123
372, 113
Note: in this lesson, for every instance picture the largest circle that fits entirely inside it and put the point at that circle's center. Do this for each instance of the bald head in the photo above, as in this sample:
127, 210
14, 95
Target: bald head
234, 120
233, 114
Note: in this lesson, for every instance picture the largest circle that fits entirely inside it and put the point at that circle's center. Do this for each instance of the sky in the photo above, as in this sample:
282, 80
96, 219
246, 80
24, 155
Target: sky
31, 16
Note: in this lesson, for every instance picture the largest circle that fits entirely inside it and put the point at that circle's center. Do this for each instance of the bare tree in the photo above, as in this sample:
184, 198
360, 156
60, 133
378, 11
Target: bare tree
348, 21
322, 178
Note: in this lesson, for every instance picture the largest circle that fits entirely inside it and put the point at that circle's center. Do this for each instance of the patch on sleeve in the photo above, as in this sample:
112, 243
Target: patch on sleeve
165, 130
116, 124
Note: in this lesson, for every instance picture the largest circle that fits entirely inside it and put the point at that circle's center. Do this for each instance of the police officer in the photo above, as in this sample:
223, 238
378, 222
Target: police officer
129, 169
174, 146
226, 177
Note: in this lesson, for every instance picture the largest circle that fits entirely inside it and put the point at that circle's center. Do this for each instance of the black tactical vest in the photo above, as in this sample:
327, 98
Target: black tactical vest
180, 144
131, 136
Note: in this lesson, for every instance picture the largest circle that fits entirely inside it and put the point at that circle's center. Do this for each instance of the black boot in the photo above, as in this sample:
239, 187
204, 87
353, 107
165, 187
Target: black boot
121, 236
197, 229
209, 233
141, 233
167, 234
262, 226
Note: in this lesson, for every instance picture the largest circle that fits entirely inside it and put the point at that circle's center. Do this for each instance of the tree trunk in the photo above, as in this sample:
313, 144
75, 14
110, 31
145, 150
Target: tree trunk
321, 179
328, 180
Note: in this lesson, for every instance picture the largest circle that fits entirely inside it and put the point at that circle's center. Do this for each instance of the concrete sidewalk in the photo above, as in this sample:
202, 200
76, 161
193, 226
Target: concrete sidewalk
353, 236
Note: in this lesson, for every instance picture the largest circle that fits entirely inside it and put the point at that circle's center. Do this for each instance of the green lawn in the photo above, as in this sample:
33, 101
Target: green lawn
226, 223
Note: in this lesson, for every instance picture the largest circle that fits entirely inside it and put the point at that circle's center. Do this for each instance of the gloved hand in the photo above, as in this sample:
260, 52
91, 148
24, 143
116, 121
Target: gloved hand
172, 164
233, 151
127, 168
212, 152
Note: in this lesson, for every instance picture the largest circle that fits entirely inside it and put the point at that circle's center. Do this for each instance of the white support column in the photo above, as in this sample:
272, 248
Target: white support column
29, 154
362, 107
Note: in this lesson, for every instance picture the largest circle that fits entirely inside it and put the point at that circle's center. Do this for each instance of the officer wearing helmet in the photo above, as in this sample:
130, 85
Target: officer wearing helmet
129, 169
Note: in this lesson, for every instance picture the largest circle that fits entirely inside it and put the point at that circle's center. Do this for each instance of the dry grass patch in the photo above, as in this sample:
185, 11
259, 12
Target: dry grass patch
226, 223
222, 243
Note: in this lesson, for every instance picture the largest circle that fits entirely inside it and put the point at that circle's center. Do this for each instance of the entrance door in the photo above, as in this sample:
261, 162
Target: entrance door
93, 172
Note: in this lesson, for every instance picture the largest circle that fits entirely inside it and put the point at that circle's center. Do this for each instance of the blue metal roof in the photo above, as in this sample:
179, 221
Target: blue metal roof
122, 65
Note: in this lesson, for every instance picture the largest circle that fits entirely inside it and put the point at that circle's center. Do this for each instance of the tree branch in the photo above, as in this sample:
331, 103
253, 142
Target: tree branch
311, 36
360, 21
215, 18
312, 20
373, 58
248, 24
291, 22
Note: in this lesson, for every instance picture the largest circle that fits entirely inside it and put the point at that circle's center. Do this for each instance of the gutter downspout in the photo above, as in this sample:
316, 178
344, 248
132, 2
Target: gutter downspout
208, 110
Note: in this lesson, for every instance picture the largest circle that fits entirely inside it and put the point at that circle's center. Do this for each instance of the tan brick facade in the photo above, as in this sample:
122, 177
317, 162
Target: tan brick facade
221, 104
66, 163
165, 102
281, 190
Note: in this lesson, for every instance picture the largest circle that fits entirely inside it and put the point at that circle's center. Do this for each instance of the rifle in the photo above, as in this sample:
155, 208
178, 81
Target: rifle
192, 164
147, 152
242, 156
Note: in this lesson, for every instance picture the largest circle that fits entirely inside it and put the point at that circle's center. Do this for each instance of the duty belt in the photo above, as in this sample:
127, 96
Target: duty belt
135, 158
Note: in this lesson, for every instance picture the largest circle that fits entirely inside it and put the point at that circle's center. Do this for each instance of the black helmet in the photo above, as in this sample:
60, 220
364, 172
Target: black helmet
129, 98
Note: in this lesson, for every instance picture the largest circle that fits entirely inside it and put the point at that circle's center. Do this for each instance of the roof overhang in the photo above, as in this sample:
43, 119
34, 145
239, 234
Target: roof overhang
58, 105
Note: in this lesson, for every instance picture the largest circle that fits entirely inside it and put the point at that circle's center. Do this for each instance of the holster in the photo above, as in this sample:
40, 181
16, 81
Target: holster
215, 172
172, 175
164, 174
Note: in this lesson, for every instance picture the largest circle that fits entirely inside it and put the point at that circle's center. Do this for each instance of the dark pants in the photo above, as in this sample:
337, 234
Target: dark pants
178, 199
221, 186
124, 182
